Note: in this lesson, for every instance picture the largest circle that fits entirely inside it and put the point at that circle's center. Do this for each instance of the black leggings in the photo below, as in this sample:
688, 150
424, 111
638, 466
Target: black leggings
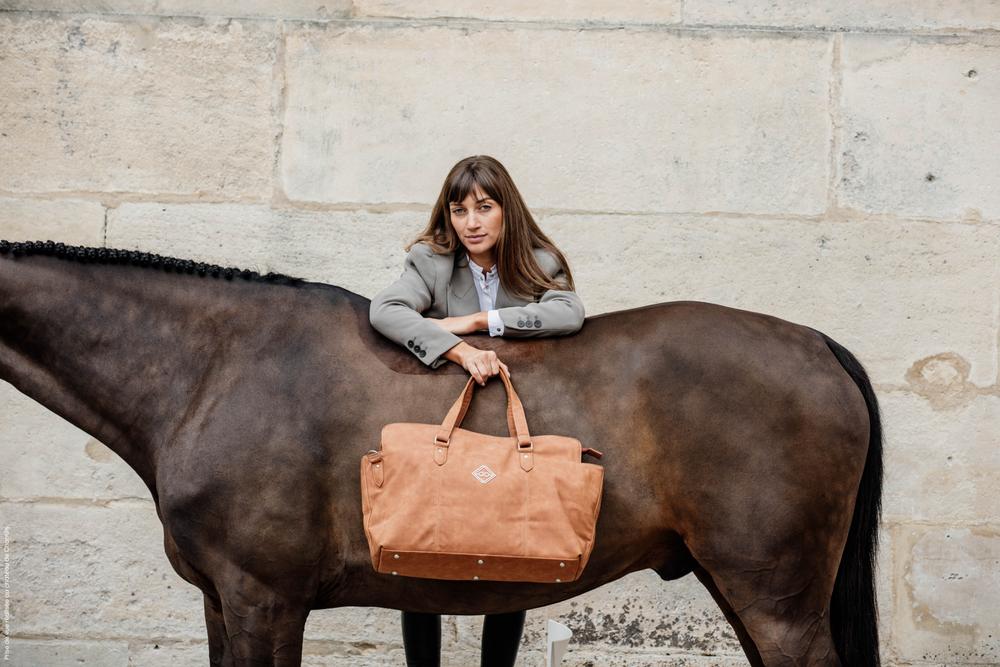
501, 638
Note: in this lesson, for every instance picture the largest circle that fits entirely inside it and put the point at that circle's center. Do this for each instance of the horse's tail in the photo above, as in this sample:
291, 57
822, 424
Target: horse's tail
853, 610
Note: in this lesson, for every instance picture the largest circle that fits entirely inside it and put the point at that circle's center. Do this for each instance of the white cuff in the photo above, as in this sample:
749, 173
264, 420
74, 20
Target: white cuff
496, 324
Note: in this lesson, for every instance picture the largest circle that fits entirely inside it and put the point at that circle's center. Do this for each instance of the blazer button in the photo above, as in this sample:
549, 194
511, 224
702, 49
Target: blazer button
538, 324
520, 323
423, 353
409, 343
416, 348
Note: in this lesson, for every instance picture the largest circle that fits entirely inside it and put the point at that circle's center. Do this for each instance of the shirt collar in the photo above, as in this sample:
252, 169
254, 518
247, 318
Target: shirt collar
479, 270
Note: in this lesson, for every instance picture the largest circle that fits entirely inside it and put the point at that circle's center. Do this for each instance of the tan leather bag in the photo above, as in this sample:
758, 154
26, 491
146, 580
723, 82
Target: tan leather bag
443, 502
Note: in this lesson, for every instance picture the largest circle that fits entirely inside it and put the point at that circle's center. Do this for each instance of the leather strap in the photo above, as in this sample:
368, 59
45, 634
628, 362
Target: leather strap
517, 423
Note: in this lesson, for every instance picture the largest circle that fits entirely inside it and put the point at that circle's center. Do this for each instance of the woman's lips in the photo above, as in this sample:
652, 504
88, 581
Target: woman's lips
476, 239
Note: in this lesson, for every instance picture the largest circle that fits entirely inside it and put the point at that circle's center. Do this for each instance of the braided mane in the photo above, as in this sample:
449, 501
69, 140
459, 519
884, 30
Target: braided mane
89, 254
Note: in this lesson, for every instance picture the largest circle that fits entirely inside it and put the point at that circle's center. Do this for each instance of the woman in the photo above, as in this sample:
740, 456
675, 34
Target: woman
480, 235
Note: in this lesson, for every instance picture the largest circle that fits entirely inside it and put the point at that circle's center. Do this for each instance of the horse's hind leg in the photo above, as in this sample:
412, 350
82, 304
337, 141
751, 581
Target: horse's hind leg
741, 632
783, 610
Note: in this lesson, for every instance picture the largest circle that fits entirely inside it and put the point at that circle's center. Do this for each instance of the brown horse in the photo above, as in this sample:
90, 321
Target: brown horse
737, 446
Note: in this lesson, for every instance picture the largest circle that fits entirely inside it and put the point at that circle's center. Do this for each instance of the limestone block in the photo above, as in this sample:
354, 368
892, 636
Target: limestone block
947, 578
636, 11
70, 221
368, 658
287, 9
45, 456
885, 593
919, 126
641, 611
880, 15
894, 293
167, 653
138, 106
357, 250
56, 653
583, 120
96, 573
356, 632
941, 465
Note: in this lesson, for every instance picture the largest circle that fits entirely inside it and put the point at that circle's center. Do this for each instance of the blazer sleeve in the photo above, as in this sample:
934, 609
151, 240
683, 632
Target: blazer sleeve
396, 310
556, 313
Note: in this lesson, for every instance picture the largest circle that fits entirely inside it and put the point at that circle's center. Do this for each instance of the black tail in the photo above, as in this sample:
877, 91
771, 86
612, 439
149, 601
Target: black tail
853, 609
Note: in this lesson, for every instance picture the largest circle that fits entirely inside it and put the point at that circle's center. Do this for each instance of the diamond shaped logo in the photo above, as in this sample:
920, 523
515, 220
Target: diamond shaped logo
483, 473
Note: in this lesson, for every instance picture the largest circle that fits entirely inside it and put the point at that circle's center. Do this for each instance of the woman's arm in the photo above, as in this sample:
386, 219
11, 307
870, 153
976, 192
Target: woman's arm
556, 313
396, 311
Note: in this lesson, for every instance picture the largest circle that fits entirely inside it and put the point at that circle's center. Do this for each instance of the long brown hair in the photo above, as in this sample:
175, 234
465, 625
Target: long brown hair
519, 234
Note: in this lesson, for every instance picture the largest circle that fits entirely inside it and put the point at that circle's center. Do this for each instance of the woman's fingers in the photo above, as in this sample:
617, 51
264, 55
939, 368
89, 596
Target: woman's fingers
486, 365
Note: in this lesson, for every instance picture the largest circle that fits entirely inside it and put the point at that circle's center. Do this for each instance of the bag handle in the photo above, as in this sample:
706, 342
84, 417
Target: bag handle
517, 423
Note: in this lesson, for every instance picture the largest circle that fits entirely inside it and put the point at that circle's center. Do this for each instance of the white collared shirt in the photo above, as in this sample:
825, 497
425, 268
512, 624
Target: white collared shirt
487, 284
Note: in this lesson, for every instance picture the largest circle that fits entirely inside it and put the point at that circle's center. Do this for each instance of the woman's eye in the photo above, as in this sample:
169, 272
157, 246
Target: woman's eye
487, 206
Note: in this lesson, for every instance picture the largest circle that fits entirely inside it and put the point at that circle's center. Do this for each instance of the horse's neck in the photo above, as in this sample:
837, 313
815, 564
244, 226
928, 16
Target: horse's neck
115, 350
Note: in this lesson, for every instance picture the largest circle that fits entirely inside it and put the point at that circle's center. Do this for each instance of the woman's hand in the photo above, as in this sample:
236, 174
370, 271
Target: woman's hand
463, 324
481, 364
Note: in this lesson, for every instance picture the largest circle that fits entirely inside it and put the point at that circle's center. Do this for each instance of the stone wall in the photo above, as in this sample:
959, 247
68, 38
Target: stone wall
831, 163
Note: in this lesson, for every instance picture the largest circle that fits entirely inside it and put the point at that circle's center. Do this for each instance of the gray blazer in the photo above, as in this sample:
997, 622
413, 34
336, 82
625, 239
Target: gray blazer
440, 285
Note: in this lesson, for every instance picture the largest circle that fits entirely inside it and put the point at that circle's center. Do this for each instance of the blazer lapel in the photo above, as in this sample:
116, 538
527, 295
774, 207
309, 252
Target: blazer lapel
462, 299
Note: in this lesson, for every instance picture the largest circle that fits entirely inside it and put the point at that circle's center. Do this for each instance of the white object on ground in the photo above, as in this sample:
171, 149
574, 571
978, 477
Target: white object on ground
558, 643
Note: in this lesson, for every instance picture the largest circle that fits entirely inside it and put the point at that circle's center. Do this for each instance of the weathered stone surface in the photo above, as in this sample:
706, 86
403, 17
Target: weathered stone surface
286, 9
677, 132
947, 578
45, 456
892, 293
157, 106
55, 653
70, 221
833, 14
95, 573
919, 127
941, 465
643, 612
357, 250
586, 11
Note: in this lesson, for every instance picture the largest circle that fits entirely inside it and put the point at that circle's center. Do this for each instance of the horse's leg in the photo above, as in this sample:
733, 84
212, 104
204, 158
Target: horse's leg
264, 626
219, 654
727, 610
783, 609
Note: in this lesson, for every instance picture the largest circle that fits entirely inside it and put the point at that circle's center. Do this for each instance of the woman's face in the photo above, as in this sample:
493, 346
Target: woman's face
477, 221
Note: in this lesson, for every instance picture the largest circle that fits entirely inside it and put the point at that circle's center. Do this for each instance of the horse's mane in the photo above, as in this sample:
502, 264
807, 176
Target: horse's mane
89, 254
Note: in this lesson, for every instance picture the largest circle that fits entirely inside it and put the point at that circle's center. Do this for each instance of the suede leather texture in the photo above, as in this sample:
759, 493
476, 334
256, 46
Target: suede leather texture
476, 513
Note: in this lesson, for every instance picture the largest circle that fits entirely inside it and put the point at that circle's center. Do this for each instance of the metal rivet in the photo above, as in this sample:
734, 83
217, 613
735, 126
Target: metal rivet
558, 580
394, 572
524, 455
397, 556
480, 561
560, 564
439, 450
475, 577
378, 465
